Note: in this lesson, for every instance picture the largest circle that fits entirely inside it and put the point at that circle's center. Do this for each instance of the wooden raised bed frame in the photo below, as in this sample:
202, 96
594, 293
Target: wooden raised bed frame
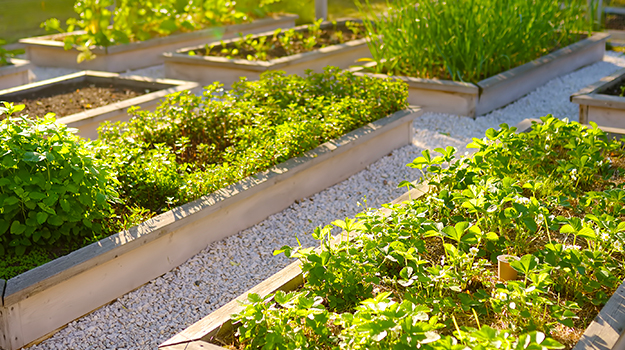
208, 69
603, 109
37, 303
602, 334
467, 99
18, 73
87, 122
48, 51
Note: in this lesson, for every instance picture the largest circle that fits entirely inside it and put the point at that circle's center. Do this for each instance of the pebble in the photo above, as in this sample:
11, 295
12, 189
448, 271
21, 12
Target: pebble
165, 306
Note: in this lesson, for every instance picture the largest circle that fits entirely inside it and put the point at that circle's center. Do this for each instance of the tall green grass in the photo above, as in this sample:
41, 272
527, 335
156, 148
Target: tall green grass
468, 40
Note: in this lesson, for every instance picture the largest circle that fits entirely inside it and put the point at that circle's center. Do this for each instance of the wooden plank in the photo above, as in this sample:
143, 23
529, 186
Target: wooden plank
606, 329
219, 323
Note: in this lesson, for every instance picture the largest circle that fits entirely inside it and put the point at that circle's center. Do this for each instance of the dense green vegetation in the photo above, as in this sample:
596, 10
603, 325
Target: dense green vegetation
107, 23
190, 146
52, 187
468, 40
425, 275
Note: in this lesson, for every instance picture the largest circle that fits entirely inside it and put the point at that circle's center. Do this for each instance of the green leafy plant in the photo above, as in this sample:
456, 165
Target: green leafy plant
285, 42
106, 23
51, 186
468, 40
422, 276
194, 145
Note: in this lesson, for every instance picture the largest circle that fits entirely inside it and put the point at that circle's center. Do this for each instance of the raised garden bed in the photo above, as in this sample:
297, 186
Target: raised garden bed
195, 63
261, 313
85, 99
16, 74
38, 302
48, 50
615, 25
472, 100
602, 102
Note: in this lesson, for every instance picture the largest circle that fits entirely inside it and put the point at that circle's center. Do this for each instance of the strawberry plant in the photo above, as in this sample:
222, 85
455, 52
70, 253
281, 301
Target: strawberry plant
425, 276
51, 186
468, 40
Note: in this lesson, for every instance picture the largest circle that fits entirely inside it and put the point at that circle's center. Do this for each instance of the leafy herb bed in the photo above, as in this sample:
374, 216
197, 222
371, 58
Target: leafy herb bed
423, 276
286, 43
191, 146
73, 98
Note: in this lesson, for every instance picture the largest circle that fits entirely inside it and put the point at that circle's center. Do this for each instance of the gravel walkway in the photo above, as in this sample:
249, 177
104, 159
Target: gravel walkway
155, 312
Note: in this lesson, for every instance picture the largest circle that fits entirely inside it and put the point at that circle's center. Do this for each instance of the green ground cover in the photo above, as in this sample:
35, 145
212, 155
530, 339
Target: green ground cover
425, 276
59, 192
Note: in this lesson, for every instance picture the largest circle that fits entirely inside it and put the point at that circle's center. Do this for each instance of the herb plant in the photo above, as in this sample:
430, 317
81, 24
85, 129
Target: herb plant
193, 145
423, 276
107, 23
468, 40
189, 147
52, 188
286, 42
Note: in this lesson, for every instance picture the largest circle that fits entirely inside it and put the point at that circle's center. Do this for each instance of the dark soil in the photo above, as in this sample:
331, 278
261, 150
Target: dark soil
615, 21
274, 48
68, 99
617, 90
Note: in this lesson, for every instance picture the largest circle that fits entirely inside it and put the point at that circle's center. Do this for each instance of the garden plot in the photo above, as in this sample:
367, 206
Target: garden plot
452, 70
15, 74
294, 51
51, 295
602, 102
86, 99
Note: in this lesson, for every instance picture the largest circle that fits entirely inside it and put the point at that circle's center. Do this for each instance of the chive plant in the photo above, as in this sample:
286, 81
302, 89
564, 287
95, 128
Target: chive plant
468, 40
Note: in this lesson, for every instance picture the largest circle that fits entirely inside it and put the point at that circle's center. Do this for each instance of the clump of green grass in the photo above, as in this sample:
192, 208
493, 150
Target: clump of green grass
468, 40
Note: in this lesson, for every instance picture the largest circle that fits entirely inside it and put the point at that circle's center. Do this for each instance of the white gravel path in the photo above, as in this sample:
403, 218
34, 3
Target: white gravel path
155, 312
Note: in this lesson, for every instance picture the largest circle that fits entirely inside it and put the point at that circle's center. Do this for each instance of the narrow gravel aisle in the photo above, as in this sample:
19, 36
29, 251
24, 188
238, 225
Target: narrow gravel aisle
150, 315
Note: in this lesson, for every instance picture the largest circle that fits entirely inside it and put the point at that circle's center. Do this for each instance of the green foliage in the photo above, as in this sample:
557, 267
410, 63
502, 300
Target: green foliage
285, 42
194, 145
107, 23
422, 276
468, 40
6, 54
52, 189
